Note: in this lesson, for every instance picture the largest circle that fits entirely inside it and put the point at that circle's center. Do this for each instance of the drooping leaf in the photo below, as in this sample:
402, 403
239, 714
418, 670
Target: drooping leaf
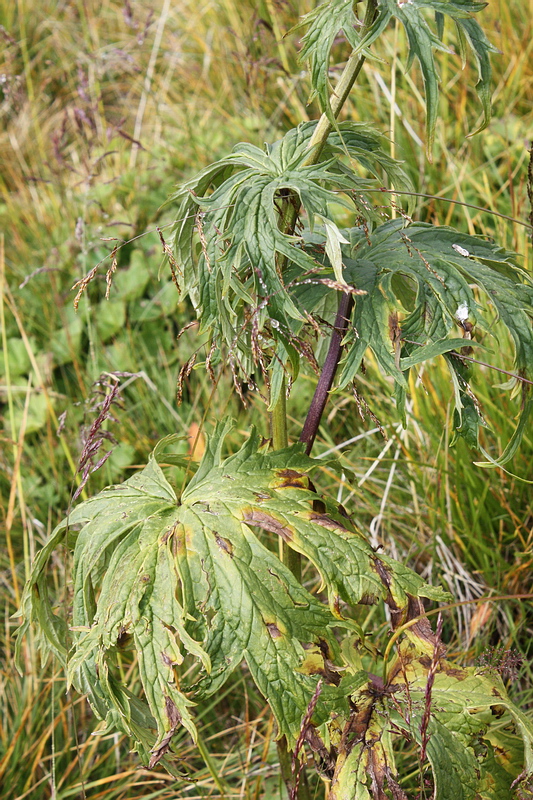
234, 258
193, 577
423, 41
513, 444
424, 286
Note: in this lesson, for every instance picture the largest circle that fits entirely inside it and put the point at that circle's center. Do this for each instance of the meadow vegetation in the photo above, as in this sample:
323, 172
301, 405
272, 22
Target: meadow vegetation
105, 107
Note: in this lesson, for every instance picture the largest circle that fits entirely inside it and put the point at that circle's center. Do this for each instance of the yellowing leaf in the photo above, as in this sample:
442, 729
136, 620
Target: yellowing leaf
193, 577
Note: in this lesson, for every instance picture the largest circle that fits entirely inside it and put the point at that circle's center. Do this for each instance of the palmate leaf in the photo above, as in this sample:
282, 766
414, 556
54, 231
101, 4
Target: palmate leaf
193, 582
423, 284
326, 21
194, 578
235, 273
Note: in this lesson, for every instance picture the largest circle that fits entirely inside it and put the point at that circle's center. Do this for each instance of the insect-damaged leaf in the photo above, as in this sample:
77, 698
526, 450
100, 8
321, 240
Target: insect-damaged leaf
194, 578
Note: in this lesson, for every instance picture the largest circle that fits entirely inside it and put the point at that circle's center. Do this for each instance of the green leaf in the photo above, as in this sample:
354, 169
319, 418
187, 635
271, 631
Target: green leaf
110, 318
434, 349
513, 444
438, 267
461, 733
18, 358
481, 48
366, 768
37, 414
327, 20
324, 23
196, 578
422, 41
129, 284
235, 259
36, 606
474, 737
65, 342
334, 239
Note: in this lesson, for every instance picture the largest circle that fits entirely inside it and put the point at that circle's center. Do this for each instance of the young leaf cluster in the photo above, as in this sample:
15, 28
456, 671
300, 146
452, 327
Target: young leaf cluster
326, 21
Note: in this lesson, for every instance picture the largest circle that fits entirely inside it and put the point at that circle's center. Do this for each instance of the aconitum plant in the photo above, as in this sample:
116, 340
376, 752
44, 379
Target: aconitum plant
188, 582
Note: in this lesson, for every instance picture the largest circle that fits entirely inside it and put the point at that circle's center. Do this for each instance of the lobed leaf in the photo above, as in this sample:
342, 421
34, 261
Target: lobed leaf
326, 21
237, 277
423, 285
475, 738
195, 578
192, 585
464, 745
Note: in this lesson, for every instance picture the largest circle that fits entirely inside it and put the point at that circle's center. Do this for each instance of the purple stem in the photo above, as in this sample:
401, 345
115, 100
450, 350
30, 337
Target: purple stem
325, 382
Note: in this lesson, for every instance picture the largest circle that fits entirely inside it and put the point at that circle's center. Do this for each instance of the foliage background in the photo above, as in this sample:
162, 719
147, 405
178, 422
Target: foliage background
105, 107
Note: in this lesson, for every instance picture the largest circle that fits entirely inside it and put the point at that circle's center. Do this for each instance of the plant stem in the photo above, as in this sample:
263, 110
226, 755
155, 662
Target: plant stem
291, 206
289, 215
318, 403
342, 90
280, 438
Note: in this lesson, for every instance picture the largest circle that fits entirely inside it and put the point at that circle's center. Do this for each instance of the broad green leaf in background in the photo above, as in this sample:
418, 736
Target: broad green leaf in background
65, 342
110, 318
17, 356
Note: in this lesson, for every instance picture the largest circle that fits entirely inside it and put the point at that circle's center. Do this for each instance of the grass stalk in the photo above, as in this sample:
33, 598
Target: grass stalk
15, 483
280, 437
